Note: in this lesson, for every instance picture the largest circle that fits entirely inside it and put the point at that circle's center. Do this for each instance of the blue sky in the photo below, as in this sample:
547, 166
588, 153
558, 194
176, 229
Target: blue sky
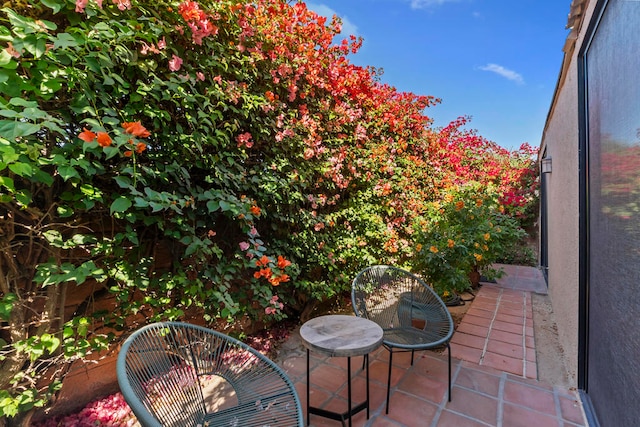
497, 61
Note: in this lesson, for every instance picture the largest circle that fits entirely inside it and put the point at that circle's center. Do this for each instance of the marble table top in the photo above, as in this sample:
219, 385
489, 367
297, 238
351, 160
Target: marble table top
340, 335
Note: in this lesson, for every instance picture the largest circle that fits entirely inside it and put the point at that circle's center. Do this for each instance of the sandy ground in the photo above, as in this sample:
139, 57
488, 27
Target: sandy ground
549, 353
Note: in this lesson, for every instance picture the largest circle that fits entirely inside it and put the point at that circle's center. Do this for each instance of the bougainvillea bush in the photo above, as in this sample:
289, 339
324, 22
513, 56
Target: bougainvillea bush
215, 159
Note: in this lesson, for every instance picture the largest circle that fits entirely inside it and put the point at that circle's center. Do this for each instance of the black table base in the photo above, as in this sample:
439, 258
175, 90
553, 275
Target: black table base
352, 410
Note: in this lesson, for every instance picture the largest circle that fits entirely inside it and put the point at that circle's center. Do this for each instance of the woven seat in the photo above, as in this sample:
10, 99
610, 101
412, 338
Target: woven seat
410, 313
177, 374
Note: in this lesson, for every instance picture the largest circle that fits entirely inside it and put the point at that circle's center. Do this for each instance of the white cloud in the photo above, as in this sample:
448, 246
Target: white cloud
504, 72
423, 4
348, 27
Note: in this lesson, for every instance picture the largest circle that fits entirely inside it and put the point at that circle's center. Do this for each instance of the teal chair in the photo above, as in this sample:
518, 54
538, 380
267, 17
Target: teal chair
412, 316
177, 374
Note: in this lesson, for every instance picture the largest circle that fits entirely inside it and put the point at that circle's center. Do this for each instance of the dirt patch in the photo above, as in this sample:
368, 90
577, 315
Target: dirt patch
549, 353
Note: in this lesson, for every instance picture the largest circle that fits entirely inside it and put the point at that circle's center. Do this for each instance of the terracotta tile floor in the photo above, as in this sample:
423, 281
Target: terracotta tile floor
493, 372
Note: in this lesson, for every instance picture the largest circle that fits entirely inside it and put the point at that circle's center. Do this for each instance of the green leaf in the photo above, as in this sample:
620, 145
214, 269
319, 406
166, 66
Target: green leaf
13, 129
5, 58
67, 172
6, 305
56, 6
64, 40
120, 204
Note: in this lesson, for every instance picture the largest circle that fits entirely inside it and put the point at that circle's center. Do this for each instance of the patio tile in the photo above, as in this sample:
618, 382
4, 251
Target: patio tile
531, 397
472, 341
451, 419
470, 329
379, 370
506, 337
469, 354
518, 416
571, 410
478, 381
328, 377
506, 349
410, 410
478, 321
510, 319
507, 327
474, 405
511, 311
503, 363
424, 387
480, 312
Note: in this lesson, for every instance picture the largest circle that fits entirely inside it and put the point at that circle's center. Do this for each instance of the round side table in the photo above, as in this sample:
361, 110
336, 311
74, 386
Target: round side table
341, 336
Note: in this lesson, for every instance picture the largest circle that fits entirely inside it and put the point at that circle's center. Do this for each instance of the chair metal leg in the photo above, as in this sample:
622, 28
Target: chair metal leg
389, 378
412, 351
449, 351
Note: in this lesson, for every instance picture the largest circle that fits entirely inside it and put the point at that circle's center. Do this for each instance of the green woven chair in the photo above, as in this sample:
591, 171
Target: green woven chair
177, 374
409, 312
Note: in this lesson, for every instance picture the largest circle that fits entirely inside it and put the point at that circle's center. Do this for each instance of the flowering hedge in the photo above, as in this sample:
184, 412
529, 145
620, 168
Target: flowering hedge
221, 159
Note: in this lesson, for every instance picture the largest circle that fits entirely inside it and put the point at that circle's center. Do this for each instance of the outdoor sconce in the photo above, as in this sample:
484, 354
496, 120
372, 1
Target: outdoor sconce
545, 165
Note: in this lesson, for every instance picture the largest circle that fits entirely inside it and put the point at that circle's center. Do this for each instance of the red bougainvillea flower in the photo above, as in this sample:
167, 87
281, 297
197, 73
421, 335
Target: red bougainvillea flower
140, 147
103, 139
128, 153
175, 63
255, 210
135, 129
87, 136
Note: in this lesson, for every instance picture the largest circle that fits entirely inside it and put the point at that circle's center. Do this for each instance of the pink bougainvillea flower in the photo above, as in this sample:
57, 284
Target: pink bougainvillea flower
244, 246
200, 76
86, 135
135, 129
122, 4
80, 5
175, 63
103, 139
12, 51
244, 139
162, 43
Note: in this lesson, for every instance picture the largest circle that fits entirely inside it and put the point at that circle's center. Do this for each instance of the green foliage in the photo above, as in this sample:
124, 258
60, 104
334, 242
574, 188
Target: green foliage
465, 231
171, 159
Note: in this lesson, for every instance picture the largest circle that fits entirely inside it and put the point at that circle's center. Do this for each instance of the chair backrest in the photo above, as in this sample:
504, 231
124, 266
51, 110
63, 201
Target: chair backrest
160, 368
395, 298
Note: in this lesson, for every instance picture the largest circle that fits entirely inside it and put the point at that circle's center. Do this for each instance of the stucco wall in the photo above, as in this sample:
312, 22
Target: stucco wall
561, 139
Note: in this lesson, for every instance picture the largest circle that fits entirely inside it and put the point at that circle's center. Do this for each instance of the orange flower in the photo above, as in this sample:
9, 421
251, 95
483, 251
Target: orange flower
283, 263
459, 205
255, 210
450, 243
264, 272
263, 261
487, 236
135, 129
478, 202
276, 280
478, 257
418, 247
140, 147
128, 153
87, 135
103, 139
433, 249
